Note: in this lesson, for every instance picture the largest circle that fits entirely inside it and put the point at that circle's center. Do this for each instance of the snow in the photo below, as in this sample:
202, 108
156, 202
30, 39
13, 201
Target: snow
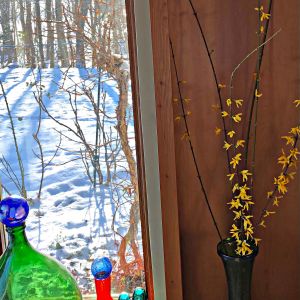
72, 221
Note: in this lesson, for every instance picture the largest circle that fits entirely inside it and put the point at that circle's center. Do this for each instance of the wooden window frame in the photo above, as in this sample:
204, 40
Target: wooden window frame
146, 20
152, 96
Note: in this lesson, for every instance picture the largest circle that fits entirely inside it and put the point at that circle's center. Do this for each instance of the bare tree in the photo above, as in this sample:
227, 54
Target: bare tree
8, 46
39, 33
62, 51
50, 34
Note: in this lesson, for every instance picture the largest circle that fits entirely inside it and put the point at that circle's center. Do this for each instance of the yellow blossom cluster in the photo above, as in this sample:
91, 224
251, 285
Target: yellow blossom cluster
263, 17
288, 160
242, 229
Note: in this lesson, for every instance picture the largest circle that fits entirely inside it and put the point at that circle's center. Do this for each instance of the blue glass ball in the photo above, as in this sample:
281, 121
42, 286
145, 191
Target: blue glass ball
13, 211
101, 268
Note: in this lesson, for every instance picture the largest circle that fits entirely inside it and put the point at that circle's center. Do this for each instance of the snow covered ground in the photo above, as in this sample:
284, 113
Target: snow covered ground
72, 221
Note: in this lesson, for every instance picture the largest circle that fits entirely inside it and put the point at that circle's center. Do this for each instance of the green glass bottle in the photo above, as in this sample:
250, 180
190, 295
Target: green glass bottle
26, 274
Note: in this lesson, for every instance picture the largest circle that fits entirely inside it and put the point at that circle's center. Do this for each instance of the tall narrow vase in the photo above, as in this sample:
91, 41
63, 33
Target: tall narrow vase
238, 270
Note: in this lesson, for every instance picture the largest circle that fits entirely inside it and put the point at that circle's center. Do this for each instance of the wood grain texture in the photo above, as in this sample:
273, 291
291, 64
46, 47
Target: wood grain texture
166, 150
230, 28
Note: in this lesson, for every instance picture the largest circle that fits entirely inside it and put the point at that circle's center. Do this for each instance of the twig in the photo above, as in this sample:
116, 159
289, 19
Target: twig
260, 57
20, 162
268, 202
209, 52
191, 145
248, 55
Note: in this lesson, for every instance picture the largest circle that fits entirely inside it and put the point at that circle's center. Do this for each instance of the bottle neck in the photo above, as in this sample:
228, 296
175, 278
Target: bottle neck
17, 235
103, 288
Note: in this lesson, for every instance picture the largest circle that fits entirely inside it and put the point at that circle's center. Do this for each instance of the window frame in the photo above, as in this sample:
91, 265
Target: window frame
154, 220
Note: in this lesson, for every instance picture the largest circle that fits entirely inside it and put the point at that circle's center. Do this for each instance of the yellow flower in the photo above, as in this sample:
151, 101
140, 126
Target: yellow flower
294, 152
249, 232
228, 102
235, 187
237, 118
221, 86
243, 248
283, 160
235, 203
281, 183
231, 176
276, 201
297, 102
218, 131
234, 232
257, 94
247, 222
235, 160
264, 16
269, 194
259, 8
262, 29
187, 100
240, 143
289, 139
185, 136
295, 130
292, 175
224, 114
178, 118
243, 193
238, 102
231, 133
245, 174
256, 240
269, 213
226, 145
262, 224
238, 215
247, 204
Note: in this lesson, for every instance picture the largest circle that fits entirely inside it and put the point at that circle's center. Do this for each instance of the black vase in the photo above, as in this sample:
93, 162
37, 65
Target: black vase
238, 270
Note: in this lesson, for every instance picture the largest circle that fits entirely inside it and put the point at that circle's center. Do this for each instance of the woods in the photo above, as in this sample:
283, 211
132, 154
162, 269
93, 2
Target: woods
55, 32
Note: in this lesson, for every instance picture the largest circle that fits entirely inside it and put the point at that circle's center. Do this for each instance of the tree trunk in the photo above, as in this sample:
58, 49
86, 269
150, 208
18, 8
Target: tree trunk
61, 39
7, 37
24, 36
29, 34
131, 235
50, 34
39, 33
80, 16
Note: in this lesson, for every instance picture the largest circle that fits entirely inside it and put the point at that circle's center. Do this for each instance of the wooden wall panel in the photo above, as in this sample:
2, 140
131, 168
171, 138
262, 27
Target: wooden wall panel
230, 28
166, 149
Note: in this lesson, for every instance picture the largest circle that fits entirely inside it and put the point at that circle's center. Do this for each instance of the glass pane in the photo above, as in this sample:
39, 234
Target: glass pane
67, 134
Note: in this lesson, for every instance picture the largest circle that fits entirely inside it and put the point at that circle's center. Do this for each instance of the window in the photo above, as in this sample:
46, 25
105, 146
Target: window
67, 133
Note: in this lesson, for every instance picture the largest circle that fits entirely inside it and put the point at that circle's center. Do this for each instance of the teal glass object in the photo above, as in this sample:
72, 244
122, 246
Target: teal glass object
139, 294
238, 270
26, 274
124, 296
